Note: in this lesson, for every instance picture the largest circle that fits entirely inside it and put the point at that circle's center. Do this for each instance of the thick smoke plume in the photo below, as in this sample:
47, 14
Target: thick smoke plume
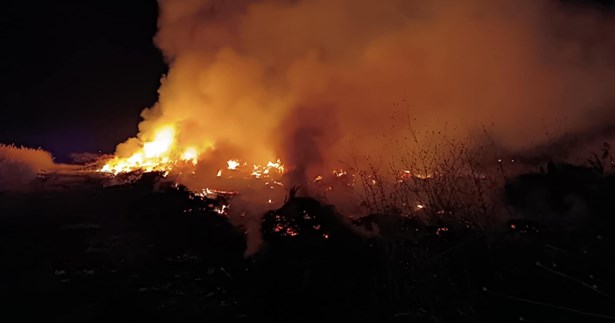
318, 81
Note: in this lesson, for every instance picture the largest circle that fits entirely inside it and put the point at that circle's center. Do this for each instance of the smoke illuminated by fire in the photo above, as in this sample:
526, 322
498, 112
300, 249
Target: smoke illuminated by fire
319, 81
159, 154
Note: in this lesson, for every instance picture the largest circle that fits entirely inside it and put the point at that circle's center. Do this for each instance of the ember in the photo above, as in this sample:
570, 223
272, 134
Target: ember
232, 164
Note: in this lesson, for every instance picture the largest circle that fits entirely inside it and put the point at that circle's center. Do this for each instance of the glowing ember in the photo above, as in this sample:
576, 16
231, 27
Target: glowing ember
405, 175
423, 176
264, 171
291, 232
233, 164
214, 194
222, 210
277, 165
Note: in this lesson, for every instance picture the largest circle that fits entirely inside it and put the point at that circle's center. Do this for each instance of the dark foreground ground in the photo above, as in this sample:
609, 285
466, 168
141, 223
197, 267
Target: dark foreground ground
89, 253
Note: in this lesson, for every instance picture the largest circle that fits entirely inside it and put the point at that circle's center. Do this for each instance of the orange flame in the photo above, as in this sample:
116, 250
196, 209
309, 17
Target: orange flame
163, 153
159, 154
233, 164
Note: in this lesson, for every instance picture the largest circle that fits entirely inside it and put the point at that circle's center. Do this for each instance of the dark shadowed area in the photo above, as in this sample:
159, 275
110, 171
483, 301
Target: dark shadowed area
76, 251
76, 74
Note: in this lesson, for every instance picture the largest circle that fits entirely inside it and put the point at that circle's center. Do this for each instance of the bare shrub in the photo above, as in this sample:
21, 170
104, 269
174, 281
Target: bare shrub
448, 179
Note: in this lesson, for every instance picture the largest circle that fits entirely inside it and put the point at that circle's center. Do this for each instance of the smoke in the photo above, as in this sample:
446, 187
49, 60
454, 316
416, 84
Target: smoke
20, 166
319, 81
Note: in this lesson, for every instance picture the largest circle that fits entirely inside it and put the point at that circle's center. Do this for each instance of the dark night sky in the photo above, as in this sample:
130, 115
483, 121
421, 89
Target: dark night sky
76, 74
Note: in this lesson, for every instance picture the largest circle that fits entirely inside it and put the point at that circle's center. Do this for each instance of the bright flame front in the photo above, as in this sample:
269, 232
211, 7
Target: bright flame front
164, 153
159, 154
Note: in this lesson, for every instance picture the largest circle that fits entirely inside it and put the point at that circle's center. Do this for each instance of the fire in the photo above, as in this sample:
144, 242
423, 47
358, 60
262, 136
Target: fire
159, 154
258, 171
162, 143
163, 153
264, 171
277, 165
405, 175
233, 164
190, 155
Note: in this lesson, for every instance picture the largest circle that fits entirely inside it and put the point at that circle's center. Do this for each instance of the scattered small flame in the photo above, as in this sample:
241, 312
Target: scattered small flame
190, 155
163, 154
405, 175
233, 164
291, 232
222, 210
423, 176
264, 171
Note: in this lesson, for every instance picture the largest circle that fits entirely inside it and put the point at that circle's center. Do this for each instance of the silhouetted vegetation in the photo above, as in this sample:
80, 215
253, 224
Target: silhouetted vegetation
149, 250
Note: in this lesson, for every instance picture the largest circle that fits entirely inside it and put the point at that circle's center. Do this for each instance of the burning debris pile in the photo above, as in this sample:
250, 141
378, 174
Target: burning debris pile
339, 82
303, 217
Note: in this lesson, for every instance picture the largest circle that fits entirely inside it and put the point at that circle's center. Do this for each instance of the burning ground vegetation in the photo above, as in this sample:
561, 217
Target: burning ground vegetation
476, 243
248, 192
